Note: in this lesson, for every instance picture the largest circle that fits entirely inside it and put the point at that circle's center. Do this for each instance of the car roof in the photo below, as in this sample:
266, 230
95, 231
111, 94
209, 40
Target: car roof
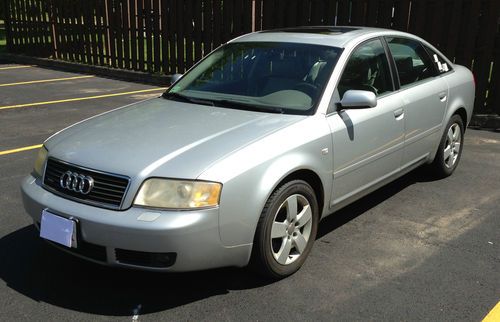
336, 36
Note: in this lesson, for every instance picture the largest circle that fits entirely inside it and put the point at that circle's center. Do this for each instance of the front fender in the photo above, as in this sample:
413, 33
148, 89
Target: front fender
250, 175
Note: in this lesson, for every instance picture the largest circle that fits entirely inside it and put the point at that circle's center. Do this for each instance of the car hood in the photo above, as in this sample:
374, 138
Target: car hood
161, 137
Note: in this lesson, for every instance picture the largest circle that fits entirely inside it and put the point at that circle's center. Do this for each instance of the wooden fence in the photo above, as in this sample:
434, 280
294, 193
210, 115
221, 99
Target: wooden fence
169, 36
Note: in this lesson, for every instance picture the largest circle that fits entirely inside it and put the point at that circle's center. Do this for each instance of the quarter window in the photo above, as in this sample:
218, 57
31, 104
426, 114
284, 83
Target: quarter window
367, 69
412, 61
438, 60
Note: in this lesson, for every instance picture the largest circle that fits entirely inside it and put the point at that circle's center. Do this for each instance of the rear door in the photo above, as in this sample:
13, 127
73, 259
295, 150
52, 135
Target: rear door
425, 97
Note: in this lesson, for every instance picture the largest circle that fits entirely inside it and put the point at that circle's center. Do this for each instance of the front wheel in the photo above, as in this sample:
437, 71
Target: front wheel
286, 230
450, 148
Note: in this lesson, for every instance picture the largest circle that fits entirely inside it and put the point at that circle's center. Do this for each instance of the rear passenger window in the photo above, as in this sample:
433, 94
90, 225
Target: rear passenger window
367, 69
412, 61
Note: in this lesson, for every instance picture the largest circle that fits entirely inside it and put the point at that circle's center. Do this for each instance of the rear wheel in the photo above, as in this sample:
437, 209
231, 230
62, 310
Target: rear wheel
286, 230
450, 148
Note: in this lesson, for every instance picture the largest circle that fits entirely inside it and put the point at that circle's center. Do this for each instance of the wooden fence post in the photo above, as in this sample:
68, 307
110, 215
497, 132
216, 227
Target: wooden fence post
7, 17
494, 97
55, 46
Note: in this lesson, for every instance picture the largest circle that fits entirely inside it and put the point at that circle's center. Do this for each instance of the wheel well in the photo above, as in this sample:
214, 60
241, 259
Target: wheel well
463, 115
312, 179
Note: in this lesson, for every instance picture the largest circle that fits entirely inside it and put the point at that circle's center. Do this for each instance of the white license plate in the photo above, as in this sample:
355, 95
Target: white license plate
58, 229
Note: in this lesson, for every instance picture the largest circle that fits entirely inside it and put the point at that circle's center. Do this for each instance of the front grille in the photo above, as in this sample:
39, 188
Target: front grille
108, 191
146, 259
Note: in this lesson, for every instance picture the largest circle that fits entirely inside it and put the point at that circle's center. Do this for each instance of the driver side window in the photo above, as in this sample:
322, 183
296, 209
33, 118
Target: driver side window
367, 70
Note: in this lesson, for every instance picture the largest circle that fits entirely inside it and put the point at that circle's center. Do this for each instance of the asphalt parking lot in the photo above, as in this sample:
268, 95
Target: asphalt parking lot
417, 249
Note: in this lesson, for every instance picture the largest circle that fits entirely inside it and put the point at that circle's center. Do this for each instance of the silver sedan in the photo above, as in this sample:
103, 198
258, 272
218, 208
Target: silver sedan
239, 160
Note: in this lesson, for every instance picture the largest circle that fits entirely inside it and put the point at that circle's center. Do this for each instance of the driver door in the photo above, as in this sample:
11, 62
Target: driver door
367, 142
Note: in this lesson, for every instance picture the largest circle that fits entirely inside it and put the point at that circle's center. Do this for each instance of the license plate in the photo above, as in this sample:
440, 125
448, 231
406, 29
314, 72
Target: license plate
58, 229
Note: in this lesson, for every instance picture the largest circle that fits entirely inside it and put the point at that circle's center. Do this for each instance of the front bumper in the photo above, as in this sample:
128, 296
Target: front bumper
190, 237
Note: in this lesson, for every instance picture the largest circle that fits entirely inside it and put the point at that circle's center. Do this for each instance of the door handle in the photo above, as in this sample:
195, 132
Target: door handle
442, 96
399, 113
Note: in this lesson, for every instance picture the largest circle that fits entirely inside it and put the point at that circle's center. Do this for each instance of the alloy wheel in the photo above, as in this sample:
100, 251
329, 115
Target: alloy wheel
452, 145
291, 229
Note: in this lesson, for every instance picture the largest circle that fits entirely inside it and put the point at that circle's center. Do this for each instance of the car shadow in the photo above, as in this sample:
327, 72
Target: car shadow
46, 274
43, 273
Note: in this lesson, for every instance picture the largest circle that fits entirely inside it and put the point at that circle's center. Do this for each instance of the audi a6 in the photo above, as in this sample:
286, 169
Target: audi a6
238, 161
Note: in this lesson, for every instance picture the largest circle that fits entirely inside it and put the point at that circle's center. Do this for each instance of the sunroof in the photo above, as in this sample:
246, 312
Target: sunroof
328, 30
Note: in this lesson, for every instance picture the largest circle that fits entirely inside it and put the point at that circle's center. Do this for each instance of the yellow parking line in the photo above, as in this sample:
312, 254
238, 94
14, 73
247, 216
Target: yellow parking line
81, 98
46, 80
26, 148
494, 315
16, 67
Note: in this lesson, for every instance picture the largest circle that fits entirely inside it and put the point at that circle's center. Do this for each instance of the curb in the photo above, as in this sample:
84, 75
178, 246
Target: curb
122, 74
485, 121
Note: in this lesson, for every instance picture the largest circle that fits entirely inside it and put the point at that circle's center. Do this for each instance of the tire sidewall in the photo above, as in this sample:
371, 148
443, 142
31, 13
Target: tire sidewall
264, 239
440, 164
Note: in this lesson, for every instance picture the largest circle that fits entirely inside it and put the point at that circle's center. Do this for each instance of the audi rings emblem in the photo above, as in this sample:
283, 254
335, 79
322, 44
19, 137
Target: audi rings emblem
76, 182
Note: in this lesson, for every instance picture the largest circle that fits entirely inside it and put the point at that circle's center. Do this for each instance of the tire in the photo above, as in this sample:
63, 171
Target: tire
450, 148
286, 230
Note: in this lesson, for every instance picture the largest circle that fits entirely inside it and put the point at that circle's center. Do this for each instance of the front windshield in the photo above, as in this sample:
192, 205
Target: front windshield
273, 77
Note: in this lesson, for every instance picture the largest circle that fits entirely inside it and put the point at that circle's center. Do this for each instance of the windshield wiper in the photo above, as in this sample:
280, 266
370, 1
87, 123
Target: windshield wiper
224, 103
248, 106
183, 98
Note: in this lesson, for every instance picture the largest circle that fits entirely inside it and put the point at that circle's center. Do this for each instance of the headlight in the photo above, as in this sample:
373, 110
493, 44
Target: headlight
178, 194
40, 161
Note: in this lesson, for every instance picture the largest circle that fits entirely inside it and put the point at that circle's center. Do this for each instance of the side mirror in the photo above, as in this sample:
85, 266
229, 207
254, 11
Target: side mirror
174, 78
358, 99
